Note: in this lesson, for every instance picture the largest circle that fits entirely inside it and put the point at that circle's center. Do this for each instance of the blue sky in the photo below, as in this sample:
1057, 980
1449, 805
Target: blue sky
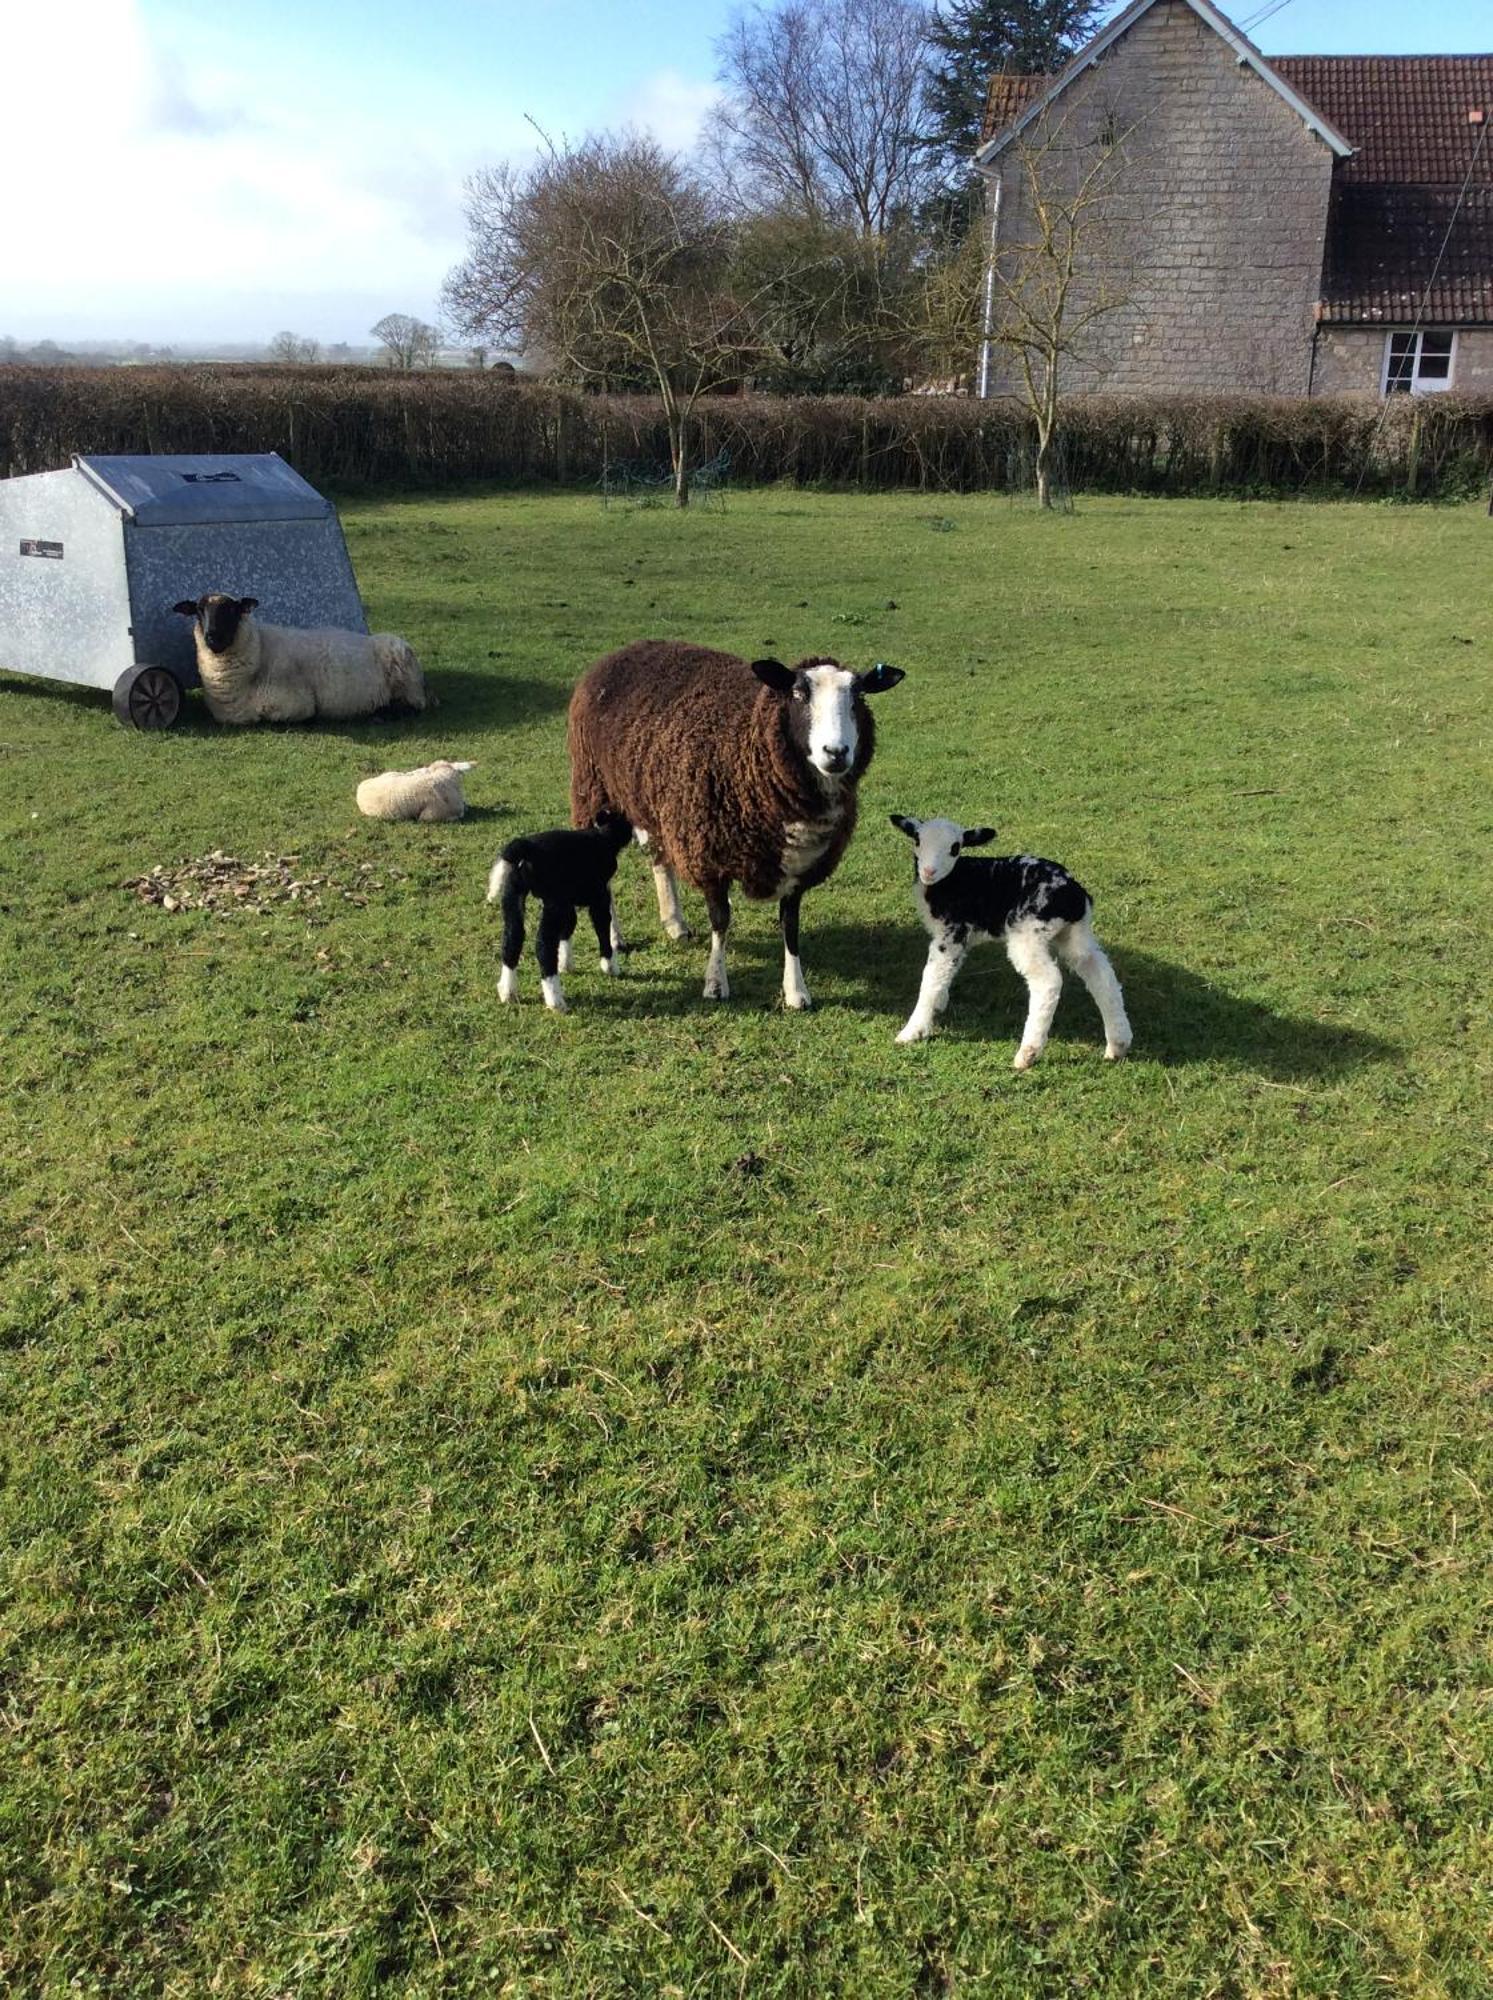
226, 171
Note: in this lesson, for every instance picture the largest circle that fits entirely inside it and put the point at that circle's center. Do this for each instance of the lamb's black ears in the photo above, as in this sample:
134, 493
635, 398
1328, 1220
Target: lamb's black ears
977, 836
877, 679
248, 604
904, 825
776, 676
186, 608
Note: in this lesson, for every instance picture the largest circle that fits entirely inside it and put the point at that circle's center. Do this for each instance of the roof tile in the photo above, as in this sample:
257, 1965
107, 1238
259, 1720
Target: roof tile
1405, 116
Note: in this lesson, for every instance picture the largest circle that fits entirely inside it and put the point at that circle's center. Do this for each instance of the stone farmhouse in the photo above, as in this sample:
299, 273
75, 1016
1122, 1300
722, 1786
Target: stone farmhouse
1295, 225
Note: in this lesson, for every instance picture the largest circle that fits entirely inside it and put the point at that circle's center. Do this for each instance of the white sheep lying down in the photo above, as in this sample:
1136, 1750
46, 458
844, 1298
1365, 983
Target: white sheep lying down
278, 673
431, 792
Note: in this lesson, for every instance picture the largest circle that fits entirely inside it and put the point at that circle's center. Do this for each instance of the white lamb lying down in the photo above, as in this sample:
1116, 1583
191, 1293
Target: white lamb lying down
277, 673
431, 792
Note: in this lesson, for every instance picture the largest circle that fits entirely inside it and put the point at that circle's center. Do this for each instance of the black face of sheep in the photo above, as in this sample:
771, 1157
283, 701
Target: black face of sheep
218, 617
825, 707
616, 826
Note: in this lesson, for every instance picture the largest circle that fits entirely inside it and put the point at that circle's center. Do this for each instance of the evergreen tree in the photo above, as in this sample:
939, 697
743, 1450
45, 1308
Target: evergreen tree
974, 40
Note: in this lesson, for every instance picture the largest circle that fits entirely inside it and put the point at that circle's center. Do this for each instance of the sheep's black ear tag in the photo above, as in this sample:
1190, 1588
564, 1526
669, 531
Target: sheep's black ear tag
778, 677
881, 677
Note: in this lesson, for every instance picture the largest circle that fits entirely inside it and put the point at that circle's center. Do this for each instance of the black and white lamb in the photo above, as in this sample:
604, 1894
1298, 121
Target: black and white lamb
1037, 910
568, 870
280, 673
731, 771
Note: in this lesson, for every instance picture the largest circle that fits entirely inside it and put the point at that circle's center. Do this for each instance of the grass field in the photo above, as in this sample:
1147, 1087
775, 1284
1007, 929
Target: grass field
679, 1500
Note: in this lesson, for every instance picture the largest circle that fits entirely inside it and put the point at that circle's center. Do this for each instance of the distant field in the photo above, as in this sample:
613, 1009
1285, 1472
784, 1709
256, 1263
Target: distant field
680, 1500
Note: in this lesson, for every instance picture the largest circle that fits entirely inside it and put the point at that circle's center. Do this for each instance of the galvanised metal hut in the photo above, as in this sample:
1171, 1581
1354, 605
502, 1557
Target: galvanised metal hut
93, 558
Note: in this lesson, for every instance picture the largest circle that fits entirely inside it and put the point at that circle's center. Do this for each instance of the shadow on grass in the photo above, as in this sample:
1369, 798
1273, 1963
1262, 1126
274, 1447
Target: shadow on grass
1178, 1016
495, 700
463, 700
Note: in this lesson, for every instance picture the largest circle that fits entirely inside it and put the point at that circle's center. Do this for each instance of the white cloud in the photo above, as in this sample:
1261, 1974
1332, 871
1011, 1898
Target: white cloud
143, 196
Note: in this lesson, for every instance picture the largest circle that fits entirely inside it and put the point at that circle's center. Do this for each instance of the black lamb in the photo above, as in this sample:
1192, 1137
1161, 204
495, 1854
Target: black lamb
568, 870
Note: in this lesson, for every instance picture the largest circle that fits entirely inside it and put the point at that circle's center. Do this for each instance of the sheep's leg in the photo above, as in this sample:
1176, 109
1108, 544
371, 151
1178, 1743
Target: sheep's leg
945, 956
718, 903
562, 955
513, 938
556, 922
795, 993
602, 924
1082, 953
618, 942
670, 911
1030, 951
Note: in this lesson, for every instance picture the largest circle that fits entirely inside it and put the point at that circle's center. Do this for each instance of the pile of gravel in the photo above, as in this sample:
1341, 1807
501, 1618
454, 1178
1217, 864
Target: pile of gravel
222, 883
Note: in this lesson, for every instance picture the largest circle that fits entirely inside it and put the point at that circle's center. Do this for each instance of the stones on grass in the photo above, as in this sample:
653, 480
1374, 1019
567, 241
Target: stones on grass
225, 885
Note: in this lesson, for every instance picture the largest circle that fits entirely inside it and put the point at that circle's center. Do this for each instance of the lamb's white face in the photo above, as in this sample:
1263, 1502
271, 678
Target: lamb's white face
940, 842
833, 735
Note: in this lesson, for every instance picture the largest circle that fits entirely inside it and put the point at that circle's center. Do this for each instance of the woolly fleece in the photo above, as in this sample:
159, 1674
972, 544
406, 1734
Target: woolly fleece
693, 748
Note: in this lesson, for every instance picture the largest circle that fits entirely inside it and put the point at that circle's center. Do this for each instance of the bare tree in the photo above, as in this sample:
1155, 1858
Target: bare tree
407, 342
824, 113
293, 350
1053, 273
615, 261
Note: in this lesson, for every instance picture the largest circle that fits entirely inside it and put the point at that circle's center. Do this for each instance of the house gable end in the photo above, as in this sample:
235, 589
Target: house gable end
1244, 50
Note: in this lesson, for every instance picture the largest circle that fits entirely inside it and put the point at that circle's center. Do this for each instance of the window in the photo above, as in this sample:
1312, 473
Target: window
1418, 363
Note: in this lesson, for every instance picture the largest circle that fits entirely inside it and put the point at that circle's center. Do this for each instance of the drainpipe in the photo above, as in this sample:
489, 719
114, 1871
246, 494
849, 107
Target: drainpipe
1311, 359
987, 322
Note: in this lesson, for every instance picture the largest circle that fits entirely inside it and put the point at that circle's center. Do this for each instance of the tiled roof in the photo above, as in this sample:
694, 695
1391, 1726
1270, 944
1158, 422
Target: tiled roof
1383, 244
1395, 217
1395, 197
1405, 116
1007, 99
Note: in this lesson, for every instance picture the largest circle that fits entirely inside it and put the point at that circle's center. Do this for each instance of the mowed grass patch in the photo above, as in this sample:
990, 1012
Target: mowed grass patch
692, 1499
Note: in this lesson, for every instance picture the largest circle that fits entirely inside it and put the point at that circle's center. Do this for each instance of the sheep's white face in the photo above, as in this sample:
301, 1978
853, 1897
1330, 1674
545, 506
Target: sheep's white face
940, 842
824, 719
833, 735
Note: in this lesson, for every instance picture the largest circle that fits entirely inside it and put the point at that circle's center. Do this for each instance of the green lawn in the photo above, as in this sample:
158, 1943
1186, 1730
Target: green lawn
679, 1500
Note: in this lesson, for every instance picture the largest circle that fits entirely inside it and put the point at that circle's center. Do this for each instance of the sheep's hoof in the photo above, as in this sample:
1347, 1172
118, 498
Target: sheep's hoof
680, 933
913, 1033
1116, 1051
717, 991
507, 986
1025, 1058
609, 967
798, 1003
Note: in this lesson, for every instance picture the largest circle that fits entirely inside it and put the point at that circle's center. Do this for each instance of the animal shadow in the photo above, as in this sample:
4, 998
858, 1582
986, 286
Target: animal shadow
1179, 1017
495, 700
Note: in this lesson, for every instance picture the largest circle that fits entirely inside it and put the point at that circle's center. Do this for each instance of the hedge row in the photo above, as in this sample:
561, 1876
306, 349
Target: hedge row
357, 426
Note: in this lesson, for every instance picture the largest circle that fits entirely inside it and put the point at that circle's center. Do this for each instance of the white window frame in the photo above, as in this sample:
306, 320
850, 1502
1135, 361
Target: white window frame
1430, 385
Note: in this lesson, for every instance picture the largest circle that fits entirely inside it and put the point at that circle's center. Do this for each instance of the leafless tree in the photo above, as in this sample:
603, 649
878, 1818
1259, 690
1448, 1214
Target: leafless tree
1058, 275
614, 260
292, 350
1054, 270
823, 113
407, 342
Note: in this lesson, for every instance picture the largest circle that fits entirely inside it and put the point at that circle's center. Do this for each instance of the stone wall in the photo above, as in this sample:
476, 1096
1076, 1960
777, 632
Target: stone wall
1211, 227
1350, 361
